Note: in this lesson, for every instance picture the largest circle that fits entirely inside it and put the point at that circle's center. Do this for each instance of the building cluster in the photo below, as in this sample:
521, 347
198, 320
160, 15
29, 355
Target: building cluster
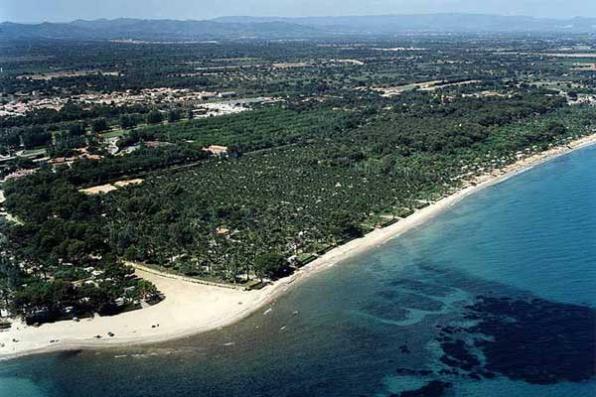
20, 104
582, 99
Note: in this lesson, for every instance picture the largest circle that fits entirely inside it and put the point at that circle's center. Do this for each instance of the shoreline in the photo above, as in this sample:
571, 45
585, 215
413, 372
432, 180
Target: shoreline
193, 308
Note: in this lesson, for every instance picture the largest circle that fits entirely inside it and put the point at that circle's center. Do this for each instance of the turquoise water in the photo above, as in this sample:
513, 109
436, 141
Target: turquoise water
513, 266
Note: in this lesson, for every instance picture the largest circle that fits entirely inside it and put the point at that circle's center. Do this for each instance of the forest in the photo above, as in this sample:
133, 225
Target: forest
328, 160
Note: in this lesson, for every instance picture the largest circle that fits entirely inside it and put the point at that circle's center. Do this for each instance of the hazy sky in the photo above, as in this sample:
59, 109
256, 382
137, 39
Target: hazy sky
66, 10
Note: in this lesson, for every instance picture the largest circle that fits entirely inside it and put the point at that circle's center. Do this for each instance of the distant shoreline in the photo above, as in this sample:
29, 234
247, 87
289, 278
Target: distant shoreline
193, 308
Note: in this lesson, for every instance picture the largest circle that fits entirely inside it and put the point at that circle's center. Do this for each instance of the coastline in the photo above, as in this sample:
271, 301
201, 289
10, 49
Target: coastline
193, 308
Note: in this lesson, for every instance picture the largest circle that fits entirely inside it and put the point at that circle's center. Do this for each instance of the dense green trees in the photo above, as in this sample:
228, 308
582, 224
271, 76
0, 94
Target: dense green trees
69, 113
174, 115
76, 129
226, 218
326, 190
127, 121
269, 265
267, 127
327, 162
99, 125
32, 138
154, 117
63, 236
90, 172
10, 278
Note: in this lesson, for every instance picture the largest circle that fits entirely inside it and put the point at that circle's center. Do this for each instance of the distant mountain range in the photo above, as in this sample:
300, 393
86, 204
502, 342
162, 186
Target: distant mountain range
154, 30
290, 28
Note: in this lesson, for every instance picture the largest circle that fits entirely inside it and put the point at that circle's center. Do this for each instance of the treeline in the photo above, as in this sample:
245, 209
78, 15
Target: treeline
218, 220
68, 125
334, 160
92, 172
71, 112
231, 219
268, 127
60, 238
304, 68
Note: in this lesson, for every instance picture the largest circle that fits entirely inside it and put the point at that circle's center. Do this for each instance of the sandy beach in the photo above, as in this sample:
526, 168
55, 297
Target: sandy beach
191, 308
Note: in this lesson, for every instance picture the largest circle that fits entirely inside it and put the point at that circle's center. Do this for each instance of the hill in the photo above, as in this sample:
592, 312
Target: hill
233, 28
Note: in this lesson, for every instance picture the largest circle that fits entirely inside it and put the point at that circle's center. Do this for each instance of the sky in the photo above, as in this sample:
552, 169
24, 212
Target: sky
68, 10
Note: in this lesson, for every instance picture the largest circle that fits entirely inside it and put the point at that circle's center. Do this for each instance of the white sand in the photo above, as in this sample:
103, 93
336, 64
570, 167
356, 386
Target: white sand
188, 308
109, 187
191, 307
124, 183
100, 189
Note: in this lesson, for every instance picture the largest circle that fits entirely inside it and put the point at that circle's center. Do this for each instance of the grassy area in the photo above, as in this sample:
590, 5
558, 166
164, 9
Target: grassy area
114, 134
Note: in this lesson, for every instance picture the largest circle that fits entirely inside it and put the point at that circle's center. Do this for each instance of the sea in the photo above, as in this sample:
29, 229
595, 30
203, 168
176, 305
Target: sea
494, 297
